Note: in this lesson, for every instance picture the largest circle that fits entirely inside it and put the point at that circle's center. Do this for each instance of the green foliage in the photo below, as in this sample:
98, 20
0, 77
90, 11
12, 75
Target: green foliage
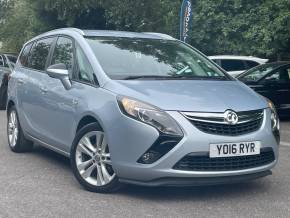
244, 27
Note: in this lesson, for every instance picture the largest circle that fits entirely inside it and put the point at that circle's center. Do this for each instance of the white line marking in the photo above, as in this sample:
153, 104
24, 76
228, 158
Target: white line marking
285, 144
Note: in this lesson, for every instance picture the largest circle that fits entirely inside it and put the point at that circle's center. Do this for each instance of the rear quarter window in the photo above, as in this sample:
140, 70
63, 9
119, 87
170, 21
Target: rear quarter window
251, 64
233, 65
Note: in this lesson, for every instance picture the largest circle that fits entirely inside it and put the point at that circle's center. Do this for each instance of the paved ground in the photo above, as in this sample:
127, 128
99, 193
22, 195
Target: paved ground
40, 184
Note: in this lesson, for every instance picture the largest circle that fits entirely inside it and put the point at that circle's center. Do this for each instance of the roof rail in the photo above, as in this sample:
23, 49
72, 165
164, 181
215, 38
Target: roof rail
162, 35
70, 28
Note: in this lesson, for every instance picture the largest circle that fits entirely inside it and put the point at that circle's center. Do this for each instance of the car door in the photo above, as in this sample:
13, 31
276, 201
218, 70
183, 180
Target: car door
29, 88
4, 68
277, 87
60, 105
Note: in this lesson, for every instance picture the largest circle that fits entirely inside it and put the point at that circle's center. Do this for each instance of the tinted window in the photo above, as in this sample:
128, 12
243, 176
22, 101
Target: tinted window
129, 58
280, 76
1, 61
251, 64
258, 73
39, 53
84, 71
12, 59
23, 59
63, 53
233, 65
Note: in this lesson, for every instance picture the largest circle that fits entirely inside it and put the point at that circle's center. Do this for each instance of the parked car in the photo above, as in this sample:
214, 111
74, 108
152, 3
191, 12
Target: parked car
7, 62
235, 65
272, 81
138, 108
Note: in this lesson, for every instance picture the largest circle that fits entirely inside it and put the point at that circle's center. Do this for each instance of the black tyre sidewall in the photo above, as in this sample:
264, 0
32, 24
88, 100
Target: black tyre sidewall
113, 186
3, 97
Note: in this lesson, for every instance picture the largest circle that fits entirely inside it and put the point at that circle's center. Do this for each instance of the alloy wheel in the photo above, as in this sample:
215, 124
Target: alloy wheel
93, 159
12, 129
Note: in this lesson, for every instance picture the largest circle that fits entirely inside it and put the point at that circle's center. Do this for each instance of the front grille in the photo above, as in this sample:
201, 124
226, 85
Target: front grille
196, 162
249, 122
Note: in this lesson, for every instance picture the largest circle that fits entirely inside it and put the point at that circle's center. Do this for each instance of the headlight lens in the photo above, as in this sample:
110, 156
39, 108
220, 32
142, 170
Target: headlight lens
274, 116
150, 115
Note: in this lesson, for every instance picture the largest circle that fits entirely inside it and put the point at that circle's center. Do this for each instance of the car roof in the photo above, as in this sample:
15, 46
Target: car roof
237, 57
106, 33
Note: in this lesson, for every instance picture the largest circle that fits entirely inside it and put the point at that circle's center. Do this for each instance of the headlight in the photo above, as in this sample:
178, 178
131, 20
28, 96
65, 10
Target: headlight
274, 116
150, 115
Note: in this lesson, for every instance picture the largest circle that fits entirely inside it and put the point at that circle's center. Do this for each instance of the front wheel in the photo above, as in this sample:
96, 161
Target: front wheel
91, 160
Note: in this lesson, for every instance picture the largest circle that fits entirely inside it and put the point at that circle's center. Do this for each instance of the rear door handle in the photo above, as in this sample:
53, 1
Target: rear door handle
44, 90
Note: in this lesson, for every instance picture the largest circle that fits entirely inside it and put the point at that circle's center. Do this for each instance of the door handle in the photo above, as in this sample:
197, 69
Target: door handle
43, 90
75, 102
20, 81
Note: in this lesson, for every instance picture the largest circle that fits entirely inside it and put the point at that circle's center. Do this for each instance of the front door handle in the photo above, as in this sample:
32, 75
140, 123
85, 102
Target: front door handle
44, 90
75, 102
20, 81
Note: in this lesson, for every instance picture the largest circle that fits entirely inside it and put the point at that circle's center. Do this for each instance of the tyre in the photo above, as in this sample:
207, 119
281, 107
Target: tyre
91, 162
3, 97
16, 139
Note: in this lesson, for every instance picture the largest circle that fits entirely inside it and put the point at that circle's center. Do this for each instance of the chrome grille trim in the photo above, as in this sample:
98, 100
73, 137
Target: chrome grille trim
244, 117
215, 123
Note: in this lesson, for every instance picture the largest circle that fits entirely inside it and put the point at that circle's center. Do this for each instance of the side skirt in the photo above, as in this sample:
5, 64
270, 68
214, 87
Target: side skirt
50, 147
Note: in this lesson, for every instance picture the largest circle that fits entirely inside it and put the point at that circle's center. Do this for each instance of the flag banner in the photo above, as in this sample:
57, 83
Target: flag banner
185, 19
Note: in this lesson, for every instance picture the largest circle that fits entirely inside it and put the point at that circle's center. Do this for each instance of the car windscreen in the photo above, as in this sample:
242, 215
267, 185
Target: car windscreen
257, 73
136, 58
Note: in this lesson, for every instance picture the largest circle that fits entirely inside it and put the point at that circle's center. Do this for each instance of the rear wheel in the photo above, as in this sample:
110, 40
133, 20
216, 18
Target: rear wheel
91, 160
16, 140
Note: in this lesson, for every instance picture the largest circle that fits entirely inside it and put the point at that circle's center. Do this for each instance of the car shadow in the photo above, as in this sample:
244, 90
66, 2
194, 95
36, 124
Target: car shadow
200, 193
51, 156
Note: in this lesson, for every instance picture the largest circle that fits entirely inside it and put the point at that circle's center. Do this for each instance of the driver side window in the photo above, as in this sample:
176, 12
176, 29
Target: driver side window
282, 75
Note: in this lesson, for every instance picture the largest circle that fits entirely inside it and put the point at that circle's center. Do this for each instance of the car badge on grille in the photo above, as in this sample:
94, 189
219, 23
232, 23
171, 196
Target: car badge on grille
231, 117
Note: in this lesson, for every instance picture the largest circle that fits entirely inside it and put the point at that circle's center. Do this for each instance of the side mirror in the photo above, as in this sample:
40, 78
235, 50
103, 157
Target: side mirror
59, 71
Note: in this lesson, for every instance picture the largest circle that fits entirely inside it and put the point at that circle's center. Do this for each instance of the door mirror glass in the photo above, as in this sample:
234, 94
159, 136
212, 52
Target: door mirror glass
60, 72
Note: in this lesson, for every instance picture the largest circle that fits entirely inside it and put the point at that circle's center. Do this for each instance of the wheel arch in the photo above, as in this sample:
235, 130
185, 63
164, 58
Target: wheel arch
86, 120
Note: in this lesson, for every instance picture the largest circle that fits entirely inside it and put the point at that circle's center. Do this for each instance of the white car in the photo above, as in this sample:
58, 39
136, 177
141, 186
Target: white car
235, 65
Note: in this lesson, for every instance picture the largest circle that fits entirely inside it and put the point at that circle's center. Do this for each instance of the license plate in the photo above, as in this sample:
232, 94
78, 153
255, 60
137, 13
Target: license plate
234, 149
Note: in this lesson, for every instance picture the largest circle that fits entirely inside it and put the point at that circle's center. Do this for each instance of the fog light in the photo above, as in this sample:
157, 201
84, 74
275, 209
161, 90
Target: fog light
149, 157
161, 147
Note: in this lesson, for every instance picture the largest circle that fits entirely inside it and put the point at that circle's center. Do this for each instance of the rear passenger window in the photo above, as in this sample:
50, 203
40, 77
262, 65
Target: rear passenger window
39, 53
23, 59
251, 64
233, 65
63, 53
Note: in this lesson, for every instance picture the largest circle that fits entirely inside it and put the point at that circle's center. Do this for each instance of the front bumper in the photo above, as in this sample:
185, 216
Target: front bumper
128, 144
200, 181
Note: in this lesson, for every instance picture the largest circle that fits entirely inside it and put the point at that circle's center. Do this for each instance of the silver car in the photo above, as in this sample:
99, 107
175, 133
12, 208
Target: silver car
138, 108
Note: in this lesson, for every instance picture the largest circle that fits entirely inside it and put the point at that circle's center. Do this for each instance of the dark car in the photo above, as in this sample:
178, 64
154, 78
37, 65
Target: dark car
273, 82
7, 62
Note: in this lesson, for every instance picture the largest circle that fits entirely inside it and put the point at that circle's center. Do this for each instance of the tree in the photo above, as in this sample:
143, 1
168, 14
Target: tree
242, 27
246, 27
